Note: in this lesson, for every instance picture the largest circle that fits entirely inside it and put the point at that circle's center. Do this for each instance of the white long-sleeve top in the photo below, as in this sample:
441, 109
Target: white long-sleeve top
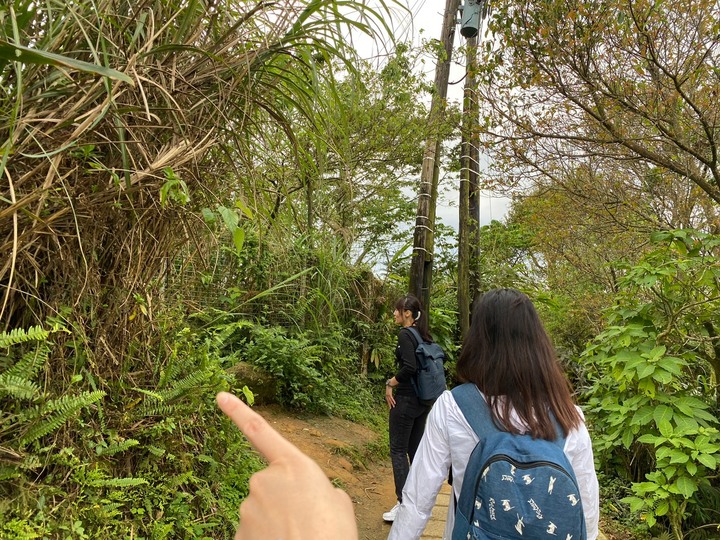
449, 440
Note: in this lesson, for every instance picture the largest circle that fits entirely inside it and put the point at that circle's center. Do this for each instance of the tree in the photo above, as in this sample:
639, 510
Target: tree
348, 178
625, 82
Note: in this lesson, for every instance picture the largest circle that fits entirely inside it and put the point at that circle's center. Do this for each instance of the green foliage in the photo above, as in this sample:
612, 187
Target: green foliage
41, 420
612, 492
28, 412
654, 397
111, 431
312, 370
162, 461
20, 335
504, 250
294, 362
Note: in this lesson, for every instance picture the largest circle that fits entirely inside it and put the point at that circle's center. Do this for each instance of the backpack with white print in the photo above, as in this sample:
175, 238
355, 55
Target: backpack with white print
514, 486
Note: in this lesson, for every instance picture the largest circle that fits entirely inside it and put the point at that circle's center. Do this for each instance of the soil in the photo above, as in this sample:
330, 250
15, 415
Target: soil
333, 443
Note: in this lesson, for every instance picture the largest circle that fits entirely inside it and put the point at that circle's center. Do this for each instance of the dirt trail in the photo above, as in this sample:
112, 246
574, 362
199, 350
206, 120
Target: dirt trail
323, 439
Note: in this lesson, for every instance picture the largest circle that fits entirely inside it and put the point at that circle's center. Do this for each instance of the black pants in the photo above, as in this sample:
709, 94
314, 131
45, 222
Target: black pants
407, 424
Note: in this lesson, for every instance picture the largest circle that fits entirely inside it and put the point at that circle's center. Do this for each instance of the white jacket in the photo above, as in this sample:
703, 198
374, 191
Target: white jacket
449, 440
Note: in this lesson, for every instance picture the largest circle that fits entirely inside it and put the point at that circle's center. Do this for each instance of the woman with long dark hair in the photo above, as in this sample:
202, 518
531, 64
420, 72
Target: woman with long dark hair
509, 357
407, 413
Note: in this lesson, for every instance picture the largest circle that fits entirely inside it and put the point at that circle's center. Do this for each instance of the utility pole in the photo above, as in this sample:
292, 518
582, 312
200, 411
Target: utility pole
469, 207
423, 240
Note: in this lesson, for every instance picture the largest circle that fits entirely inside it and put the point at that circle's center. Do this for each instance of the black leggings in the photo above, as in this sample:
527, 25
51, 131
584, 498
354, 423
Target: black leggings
407, 425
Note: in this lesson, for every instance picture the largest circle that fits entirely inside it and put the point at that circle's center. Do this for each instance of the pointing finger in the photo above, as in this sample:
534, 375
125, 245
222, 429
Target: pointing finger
261, 435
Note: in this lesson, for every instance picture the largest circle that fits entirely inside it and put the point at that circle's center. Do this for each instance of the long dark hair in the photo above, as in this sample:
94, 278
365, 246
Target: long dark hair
411, 302
508, 353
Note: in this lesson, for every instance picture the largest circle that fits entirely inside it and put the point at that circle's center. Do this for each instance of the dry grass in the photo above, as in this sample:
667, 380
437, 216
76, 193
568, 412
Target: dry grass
85, 159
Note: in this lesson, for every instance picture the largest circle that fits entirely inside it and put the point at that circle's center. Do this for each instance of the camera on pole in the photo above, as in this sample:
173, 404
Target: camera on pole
470, 18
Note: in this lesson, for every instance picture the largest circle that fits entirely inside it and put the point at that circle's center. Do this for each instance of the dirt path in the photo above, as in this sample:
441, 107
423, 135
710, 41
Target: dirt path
325, 439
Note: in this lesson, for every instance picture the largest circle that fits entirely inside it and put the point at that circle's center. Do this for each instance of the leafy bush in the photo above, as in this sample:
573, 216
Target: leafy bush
653, 398
312, 371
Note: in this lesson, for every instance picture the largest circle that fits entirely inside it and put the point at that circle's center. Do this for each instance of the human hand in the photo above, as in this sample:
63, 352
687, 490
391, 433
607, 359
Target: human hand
389, 398
292, 498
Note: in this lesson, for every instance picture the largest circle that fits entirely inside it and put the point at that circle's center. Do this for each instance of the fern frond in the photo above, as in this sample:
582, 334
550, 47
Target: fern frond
58, 411
155, 451
18, 387
204, 458
9, 473
149, 393
159, 409
192, 381
110, 510
30, 363
181, 479
175, 366
18, 529
116, 448
20, 335
187, 439
118, 482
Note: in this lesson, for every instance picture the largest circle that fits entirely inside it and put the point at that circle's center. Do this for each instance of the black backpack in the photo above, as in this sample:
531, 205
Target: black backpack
429, 380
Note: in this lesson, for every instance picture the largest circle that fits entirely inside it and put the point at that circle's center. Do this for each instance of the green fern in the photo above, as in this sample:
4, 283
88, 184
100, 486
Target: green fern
20, 335
118, 482
160, 402
172, 370
110, 510
155, 450
30, 363
191, 382
9, 473
149, 393
55, 413
204, 458
18, 529
18, 387
117, 448
158, 409
16, 380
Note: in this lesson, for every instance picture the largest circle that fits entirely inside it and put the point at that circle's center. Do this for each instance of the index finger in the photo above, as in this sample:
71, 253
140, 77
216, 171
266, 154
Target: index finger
261, 435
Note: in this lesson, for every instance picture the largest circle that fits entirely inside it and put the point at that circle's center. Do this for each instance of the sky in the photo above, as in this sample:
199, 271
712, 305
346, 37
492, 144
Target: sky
425, 23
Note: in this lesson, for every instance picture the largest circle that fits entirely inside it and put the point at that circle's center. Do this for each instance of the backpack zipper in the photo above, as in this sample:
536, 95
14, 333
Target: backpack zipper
527, 465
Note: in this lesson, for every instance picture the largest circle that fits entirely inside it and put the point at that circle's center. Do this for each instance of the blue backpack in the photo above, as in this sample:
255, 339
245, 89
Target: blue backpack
514, 486
429, 380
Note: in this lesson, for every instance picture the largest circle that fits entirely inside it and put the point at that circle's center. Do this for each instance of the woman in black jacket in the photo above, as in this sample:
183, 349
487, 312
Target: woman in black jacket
407, 413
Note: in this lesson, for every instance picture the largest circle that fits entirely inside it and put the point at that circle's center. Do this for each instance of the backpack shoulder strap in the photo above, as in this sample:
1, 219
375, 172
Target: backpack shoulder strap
415, 333
475, 409
477, 413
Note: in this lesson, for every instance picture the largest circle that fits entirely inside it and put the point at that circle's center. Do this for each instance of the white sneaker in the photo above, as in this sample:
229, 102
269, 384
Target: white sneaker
392, 514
